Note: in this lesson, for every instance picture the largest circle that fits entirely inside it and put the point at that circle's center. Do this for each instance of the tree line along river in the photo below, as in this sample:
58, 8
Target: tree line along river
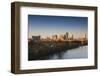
56, 50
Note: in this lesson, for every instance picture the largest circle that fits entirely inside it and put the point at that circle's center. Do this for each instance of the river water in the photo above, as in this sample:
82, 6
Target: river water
80, 52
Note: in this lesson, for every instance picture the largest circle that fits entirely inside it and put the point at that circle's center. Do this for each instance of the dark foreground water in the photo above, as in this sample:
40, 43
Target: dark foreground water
76, 53
81, 52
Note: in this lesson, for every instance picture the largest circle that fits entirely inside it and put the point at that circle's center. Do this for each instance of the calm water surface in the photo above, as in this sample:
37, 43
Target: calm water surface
81, 52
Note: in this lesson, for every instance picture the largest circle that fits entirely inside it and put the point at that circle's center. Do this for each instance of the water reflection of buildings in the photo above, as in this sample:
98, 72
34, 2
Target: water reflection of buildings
61, 37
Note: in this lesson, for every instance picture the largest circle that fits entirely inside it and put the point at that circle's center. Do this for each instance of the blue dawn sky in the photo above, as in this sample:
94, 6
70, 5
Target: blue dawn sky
51, 25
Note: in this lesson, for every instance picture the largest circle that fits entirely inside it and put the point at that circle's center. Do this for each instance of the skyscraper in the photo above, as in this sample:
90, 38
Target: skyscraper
72, 37
54, 37
85, 36
66, 35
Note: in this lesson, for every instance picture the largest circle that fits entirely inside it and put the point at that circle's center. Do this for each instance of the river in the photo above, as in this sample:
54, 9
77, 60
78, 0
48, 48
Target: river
80, 52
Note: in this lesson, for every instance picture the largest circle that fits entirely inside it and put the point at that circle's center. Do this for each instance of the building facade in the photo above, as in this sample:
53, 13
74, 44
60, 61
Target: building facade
36, 38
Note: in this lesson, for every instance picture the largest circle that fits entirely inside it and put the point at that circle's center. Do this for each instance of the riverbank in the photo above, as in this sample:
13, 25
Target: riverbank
40, 49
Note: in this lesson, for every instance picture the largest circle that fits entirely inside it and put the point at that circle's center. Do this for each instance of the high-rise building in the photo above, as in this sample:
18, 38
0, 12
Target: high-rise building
54, 37
85, 36
66, 35
36, 38
72, 37
61, 37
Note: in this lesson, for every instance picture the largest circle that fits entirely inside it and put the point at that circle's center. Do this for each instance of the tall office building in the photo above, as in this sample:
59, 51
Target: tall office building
85, 36
72, 37
67, 35
54, 37
36, 38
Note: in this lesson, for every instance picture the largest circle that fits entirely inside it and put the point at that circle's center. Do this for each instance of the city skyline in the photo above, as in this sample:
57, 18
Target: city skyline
47, 26
60, 35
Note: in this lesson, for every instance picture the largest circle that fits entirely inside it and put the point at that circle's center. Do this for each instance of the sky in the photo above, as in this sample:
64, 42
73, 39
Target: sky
47, 26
